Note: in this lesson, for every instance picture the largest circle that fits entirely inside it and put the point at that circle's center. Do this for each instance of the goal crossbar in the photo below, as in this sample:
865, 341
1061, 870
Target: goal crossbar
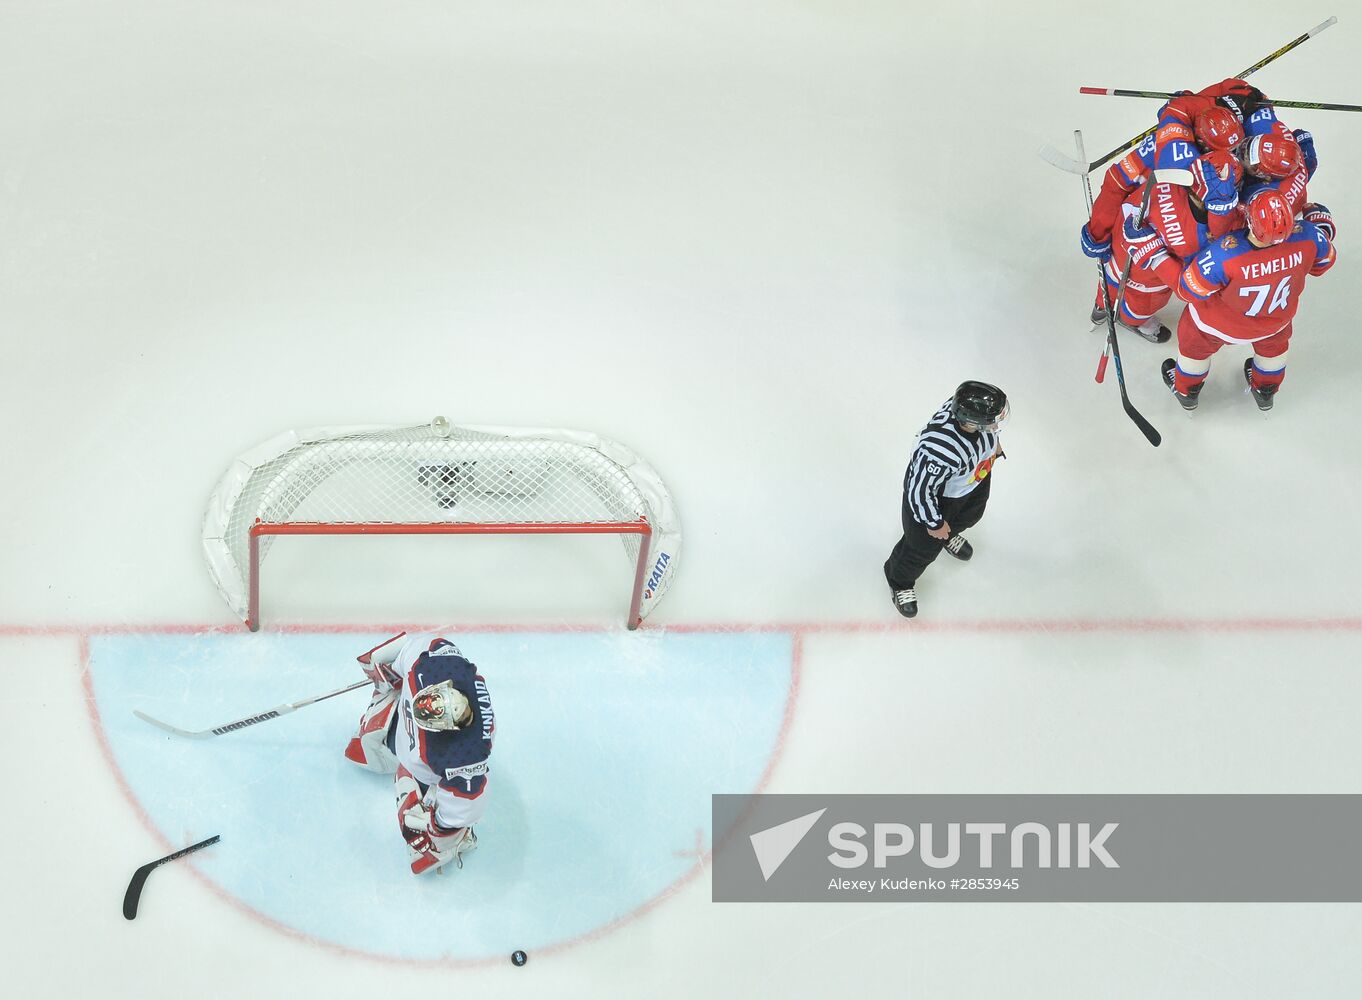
639, 527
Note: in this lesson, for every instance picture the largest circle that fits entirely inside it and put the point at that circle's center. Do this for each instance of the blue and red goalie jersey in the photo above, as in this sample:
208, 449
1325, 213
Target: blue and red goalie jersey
1239, 292
454, 762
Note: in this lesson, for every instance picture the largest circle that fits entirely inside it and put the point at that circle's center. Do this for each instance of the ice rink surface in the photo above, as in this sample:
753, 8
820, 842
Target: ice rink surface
759, 244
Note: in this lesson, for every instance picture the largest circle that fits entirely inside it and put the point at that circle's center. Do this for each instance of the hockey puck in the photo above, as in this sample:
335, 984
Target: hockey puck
519, 958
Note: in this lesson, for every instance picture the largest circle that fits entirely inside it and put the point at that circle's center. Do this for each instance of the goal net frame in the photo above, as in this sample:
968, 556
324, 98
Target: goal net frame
605, 487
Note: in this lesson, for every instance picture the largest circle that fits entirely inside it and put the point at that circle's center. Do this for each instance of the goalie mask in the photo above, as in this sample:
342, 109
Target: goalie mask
440, 708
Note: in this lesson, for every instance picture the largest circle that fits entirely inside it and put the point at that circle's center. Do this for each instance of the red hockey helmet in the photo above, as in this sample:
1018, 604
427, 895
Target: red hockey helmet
1220, 162
1269, 216
1274, 156
1281, 130
1218, 128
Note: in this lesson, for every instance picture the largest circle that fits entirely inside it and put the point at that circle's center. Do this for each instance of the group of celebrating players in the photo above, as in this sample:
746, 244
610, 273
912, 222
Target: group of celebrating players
1212, 207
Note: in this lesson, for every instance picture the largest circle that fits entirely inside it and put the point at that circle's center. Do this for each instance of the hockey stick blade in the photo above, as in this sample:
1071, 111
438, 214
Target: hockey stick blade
205, 734
250, 720
1173, 175
1164, 175
1146, 428
139, 877
1137, 418
1055, 158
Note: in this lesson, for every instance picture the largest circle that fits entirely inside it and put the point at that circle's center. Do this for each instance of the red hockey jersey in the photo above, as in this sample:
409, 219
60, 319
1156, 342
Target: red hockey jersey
1240, 293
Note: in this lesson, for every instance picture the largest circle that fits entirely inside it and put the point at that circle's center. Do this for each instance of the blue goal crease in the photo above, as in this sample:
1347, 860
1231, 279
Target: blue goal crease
608, 749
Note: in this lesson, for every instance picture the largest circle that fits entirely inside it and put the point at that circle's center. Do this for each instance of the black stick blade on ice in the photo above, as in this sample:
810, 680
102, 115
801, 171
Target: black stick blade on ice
139, 877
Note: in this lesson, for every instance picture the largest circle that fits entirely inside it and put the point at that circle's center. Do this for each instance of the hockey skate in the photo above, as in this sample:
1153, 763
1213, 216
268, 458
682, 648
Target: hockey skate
905, 602
1188, 401
1151, 330
1262, 394
1098, 316
958, 547
468, 845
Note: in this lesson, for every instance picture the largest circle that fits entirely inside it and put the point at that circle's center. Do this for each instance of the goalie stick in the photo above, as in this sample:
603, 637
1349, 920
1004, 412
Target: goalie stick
139, 877
1057, 159
1146, 428
249, 720
1164, 96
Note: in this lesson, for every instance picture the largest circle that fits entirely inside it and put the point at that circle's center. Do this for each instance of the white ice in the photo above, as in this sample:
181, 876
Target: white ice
759, 244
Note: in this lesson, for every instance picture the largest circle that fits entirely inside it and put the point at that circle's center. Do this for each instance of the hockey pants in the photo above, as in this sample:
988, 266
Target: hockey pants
1195, 348
917, 550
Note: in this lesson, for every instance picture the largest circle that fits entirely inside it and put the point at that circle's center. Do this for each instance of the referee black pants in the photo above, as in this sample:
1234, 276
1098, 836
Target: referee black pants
916, 549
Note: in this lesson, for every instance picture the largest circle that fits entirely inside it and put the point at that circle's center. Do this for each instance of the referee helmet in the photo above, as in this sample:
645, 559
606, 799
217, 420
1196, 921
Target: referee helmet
981, 405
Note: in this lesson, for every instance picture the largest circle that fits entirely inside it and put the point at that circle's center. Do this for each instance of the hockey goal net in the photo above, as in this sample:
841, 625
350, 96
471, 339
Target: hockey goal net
437, 479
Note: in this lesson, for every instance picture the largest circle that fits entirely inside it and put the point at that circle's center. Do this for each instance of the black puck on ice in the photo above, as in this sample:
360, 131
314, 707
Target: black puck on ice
519, 958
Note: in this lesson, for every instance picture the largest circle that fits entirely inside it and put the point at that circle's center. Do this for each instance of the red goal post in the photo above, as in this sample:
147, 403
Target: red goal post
437, 479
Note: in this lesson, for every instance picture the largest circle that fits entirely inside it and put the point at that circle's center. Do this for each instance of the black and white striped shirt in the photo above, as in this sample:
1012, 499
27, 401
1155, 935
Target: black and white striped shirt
946, 462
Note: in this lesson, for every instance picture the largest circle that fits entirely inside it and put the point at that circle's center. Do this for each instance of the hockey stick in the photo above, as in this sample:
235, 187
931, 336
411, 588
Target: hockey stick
1146, 428
1165, 175
1125, 272
1055, 158
139, 877
250, 720
1298, 40
1160, 95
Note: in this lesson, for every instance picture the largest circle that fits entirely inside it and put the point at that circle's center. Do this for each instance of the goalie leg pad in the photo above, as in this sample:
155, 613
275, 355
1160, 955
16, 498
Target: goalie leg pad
369, 747
429, 846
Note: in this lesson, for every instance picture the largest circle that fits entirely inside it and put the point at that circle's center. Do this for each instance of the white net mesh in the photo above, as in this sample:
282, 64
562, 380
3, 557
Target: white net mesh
429, 474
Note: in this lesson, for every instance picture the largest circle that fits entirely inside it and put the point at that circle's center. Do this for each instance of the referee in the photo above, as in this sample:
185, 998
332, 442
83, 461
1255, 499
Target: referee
946, 487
